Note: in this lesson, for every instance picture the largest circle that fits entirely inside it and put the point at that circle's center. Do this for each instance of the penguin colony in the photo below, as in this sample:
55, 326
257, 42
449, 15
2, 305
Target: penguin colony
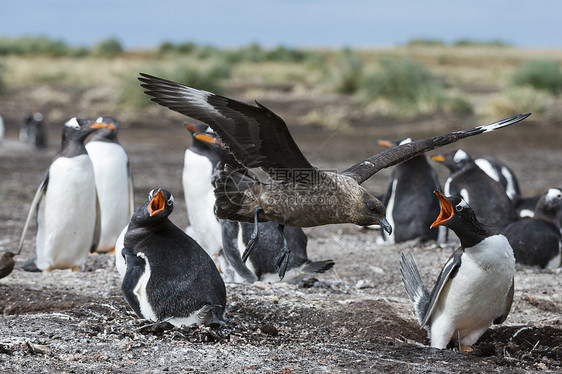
236, 234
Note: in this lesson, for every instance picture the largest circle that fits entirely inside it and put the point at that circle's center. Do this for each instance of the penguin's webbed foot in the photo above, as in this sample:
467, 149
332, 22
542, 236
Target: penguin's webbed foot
253, 238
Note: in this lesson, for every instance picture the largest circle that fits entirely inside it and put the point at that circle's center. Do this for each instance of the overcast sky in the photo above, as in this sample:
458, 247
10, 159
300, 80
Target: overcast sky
293, 23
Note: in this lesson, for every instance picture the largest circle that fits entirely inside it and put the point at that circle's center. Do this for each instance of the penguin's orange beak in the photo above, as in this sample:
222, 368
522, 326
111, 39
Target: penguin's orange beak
385, 143
157, 203
208, 139
446, 213
191, 127
98, 125
438, 158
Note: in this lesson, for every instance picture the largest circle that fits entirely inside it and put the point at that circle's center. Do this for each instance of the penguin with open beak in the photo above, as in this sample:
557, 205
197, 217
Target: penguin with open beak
474, 288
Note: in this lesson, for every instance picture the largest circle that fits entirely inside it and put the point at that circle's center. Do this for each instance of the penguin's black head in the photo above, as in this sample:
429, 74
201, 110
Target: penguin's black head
79, 129
159, 204
110, 131
454, 160
455, 212
551, 201
194, 128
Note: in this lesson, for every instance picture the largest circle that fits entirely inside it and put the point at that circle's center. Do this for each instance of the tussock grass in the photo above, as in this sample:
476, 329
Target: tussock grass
539, 74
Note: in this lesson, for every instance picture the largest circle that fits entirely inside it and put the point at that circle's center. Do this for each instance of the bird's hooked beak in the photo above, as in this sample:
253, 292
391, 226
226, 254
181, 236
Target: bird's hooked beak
447, 211
157, 203
385, 225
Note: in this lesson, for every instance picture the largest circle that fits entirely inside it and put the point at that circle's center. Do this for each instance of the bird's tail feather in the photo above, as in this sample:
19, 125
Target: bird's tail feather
414, 285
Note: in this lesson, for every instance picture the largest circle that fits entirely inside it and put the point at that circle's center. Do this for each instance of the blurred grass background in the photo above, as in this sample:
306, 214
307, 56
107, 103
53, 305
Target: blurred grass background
422, 78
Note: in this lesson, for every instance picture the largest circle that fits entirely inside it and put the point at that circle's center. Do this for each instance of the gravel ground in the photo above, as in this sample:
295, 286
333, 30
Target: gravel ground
354, 318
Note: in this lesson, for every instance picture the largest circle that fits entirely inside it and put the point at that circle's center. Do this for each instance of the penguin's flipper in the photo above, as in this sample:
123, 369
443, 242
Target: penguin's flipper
131, 190
217, 317
97, 227
33, 208
507, 305
318, 266
230, 232
447, 273
135, 270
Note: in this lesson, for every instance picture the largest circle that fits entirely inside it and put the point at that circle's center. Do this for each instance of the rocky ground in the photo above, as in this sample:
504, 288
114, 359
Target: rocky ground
354, 318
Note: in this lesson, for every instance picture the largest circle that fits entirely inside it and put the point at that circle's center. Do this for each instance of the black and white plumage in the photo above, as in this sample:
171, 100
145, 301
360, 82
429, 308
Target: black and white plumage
66, 205
114, 182
33, 131
537, 241
486, 196
262, 261
199, 169
410, 206
257, 137
475, 287
168, 276
497, 170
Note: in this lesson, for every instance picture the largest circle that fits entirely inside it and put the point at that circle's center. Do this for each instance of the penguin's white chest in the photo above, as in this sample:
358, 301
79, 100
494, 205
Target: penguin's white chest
67, 214
477, 294
112, 184
200, 201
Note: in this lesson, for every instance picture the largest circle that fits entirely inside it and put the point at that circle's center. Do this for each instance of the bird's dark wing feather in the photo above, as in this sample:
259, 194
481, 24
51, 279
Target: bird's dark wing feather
256, 136
507, 305
390, 157
448, 272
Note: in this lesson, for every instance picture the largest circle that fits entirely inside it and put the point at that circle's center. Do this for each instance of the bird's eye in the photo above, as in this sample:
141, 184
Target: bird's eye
170, 201
151, 194
459, 208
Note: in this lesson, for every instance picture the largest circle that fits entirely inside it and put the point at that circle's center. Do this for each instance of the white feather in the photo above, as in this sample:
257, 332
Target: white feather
487, 168
67, 214
140, 291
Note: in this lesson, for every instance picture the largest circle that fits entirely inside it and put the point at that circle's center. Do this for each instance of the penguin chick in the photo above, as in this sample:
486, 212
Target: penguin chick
474, 288
7, 264
537, 241
114, 182
169, 277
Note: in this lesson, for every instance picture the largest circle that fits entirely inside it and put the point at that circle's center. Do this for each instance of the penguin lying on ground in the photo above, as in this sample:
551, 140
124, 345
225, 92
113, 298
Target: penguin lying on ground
486, 197
68, 224
410, 208
168, 276
474, 288
497, 170
114, 182
262, 260
537, 241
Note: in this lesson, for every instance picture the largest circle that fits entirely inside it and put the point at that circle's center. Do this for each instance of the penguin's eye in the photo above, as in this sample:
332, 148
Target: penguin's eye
171, 201
151, 194
459, 208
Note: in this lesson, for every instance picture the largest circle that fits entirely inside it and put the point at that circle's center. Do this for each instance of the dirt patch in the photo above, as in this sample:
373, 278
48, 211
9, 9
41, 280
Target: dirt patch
79, 322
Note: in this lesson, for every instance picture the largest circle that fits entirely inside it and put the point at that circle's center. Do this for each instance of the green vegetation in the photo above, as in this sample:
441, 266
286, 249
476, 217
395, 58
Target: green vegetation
410, 88
38, 46
347, 74
477, 43
539, 74
422, 42
107, 48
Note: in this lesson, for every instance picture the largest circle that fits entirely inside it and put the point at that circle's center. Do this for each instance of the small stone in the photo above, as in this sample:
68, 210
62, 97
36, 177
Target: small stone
363, 283
269, 329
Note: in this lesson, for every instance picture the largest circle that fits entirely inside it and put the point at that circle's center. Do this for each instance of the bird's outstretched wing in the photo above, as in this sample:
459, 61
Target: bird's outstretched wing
448, 272
33, 208
390, 157
255, 135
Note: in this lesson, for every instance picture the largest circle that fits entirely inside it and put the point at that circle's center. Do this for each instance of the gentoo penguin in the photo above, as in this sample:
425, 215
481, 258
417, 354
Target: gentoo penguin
262, 261
410, 208
169, 277
497, 170
297, 193
474, 288
114, 182
198, 168
537, 241
66, 202
33, 131
486, 197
